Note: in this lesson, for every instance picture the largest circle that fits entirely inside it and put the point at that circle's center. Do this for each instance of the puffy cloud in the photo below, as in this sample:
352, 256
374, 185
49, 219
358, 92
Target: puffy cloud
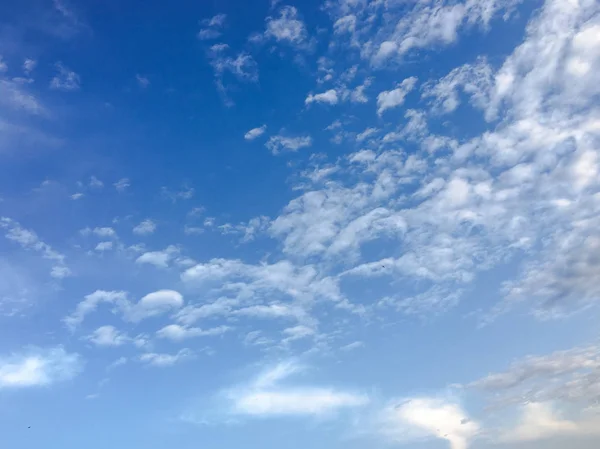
65, 79
423, 418
145, 227
159, 259
279, 143
153, 304
474, 80
266, 397
39, 367
389, 99
255, 132
287, 27
329, 97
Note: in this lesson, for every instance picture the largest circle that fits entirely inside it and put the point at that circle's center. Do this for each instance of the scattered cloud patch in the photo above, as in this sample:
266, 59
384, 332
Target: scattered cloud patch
279, 143
389, 99
146, 227
38, 367
65, 79
255, 132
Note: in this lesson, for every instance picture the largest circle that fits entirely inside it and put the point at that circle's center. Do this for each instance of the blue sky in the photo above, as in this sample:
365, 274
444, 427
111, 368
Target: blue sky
319, 224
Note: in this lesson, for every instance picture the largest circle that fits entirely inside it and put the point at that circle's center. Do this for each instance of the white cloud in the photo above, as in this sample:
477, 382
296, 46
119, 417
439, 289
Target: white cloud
95, 183
177, 332
329, 97
266, 397
77, 196
164, 360
160, 259
122, 184
255, 132
358, 94
571, 375
153, 304
539, 421
279, 143
39, 367
212, 28
474, 80
65, 79
91, 303
3, 65
104, 246
108, 336
145, 227
29, 65
287, 27
174, 196
105, 232
393, 98
366, 134
17, 98
424, 418
29, 240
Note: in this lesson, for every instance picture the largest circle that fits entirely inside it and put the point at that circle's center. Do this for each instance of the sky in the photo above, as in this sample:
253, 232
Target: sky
325, 224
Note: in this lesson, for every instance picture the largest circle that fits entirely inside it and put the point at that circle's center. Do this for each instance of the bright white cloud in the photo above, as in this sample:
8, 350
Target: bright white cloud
266, 397
424, 418
329, 97
153, 304
389, 99
39, 367
255, 132
146, 227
